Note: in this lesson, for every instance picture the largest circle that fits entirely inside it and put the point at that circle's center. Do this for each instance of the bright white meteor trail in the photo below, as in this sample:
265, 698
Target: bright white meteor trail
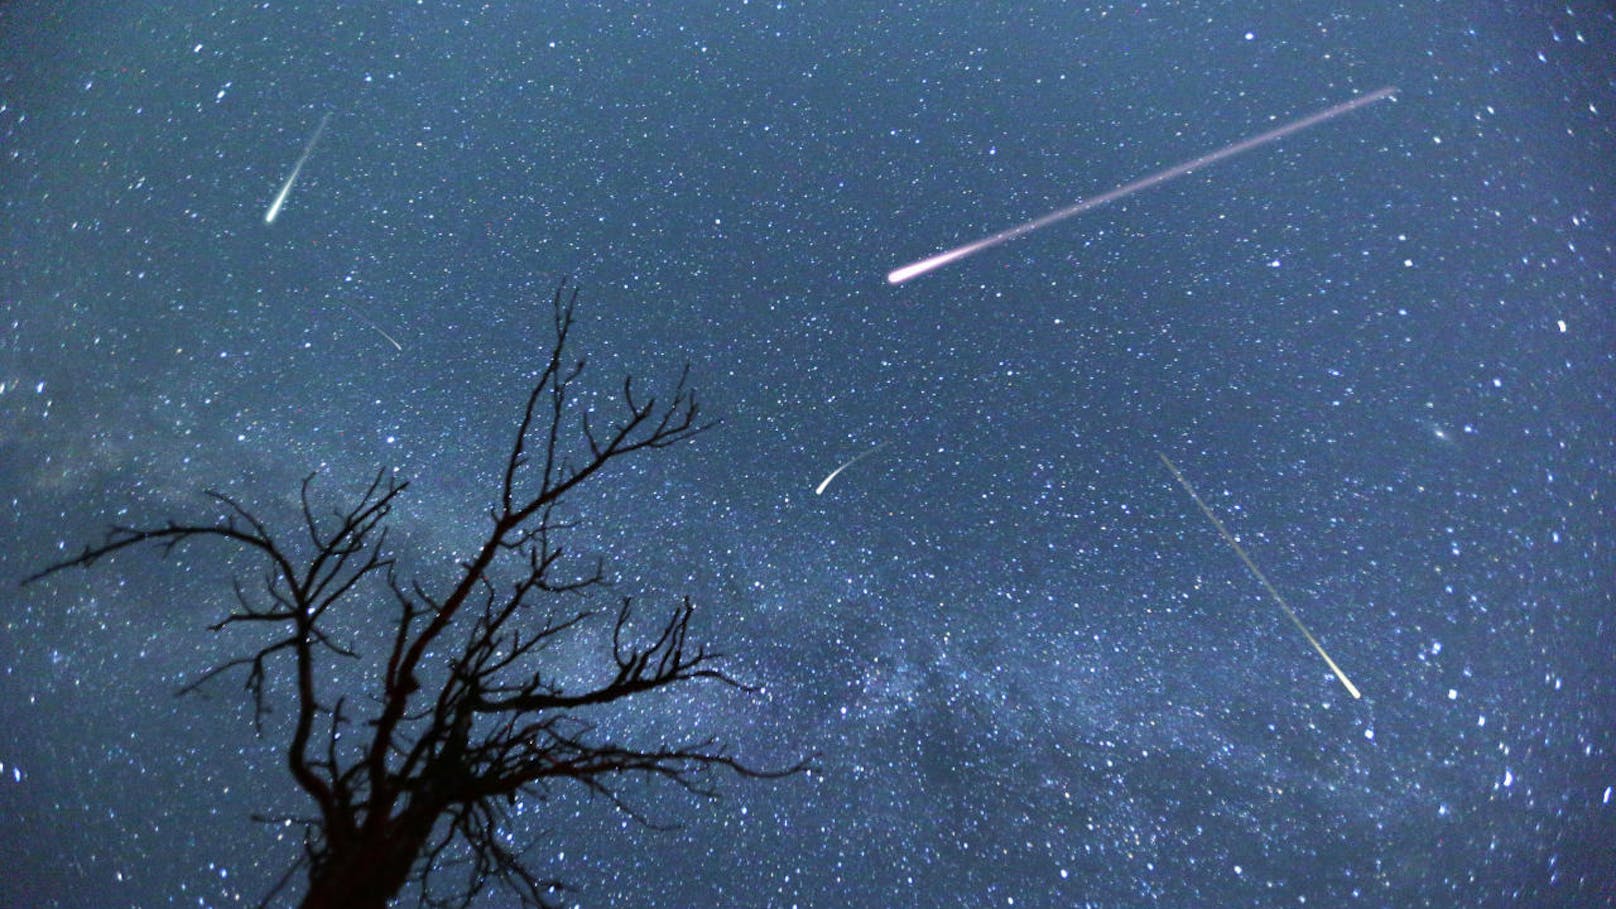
1241, 551
286, 188
820, 489
916, 269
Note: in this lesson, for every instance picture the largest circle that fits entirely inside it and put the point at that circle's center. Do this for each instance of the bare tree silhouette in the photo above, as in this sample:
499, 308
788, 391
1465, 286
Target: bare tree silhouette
414, 779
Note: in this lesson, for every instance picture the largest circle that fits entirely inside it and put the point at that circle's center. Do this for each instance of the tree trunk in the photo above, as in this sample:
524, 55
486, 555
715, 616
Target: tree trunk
369, 874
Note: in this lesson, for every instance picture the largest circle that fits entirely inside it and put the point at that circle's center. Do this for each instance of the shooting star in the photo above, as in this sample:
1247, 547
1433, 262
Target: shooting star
286, 188
1241, 551
366, 319
916, 269
389, 337
820, 489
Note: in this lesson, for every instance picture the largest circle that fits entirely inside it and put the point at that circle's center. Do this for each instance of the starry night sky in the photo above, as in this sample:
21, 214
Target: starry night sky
1384, 350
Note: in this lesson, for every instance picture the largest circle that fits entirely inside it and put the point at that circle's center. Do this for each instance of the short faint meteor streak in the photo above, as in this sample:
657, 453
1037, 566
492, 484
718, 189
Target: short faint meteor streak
286, 188
820, 489
916, 269
389, 337
1241, 551
366, 319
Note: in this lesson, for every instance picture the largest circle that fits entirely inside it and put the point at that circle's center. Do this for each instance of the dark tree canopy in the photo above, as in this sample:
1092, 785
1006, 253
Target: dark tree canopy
463, 717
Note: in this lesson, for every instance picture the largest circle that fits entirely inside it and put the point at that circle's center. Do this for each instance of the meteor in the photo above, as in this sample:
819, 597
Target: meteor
366, 319
916, 269
286, 188
1241, 551
820, 489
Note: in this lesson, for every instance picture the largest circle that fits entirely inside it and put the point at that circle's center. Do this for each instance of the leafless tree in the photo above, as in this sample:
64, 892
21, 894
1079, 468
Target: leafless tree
414, 779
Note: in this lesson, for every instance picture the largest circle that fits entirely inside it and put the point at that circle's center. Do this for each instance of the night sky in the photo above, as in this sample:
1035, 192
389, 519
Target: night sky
1383, 350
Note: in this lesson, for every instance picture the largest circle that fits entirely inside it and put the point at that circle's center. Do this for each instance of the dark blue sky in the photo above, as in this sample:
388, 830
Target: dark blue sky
1382, 349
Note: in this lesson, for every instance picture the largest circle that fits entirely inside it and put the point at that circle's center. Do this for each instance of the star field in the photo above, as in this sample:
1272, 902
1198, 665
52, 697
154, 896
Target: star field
1029, 670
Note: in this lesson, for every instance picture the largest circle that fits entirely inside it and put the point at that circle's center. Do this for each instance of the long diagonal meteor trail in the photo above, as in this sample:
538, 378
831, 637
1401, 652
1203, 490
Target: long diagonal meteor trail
820, 489
916, 269
1241, 551
286, 188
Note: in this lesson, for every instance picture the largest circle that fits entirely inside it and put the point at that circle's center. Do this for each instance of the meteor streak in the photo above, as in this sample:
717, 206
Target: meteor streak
820, 489
1241, 551
916, 269
366, 319
286, 188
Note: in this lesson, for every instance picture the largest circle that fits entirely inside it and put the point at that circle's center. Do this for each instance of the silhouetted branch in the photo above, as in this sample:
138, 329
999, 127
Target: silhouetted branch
465, 716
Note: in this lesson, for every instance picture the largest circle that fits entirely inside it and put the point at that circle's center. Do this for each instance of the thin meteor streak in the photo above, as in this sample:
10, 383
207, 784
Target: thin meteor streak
820, 489
1241, 551
286, 188
366, 319
390, 338
916, 269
